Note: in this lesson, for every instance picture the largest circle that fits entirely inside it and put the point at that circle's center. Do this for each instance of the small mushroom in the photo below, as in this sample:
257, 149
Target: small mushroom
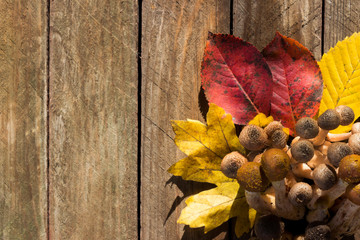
272, 127
346, 113
276, 164
253, 138
324, 176
317, 231
338, 151
268, 227
279, 139
252, 178
327, 121
307, 128
354, 142
348, 172
302, 151
231, 163
300, 194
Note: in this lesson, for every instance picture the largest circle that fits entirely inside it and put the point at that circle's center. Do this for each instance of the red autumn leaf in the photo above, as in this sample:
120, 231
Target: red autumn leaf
236, 77
298, 84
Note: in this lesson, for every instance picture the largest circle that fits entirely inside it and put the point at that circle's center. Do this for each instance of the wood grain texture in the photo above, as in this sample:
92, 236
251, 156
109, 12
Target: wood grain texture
173, 40
257, 21
93, 119
341, 19
23, 78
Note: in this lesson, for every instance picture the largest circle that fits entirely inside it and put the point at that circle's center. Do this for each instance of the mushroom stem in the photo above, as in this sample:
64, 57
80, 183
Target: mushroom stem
283, 206
317, 159
320, 138
346, 220
259, 202
337, 137
317, 215
324, 148
327, 195
302, 170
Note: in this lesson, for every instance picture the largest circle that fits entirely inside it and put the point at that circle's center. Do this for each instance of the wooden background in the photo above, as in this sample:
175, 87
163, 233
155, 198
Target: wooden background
87, 90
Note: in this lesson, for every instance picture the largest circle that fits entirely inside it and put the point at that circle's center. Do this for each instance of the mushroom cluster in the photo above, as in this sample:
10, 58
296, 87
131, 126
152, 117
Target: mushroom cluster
315, 178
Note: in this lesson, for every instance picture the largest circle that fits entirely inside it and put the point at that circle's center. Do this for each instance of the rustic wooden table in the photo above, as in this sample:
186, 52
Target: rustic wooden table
87, 92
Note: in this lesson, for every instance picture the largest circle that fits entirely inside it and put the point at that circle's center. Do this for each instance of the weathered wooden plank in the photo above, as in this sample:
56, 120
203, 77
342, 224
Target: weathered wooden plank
173, 41
341, 19
93, 119
257, 21
23, 81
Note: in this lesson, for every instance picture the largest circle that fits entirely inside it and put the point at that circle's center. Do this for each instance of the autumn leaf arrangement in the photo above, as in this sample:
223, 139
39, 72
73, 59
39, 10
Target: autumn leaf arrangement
295, 161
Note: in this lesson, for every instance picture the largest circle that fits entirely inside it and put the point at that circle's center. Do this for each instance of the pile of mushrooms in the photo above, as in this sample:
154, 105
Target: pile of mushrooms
316, 178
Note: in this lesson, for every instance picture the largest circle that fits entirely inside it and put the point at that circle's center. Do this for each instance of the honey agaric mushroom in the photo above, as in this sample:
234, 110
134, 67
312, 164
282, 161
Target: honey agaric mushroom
346, 113
317, 231
300, 194
324, 176
348, 172
302, 151
338, 151
231, 163
346, 219
253, 138
252, 178
268, 227
272, 127
276, 164
307, 128
327, 121
279, 139
354, 142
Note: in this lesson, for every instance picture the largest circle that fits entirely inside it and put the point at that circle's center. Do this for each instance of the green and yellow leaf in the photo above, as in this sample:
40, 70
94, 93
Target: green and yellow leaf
340, 69
211, 208
205, 146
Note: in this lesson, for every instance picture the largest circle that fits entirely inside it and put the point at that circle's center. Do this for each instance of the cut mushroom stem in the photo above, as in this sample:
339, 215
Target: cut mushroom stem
337, 137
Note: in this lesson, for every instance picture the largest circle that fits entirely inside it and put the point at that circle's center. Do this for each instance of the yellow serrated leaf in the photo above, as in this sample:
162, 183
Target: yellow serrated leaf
205, 146
340, 69
261, 120
213, 207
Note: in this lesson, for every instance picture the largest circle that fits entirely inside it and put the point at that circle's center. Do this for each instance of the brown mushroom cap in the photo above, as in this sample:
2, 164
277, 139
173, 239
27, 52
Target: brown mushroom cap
279, 139
349, 168
307, 128
329, 120
302, 151
353, 193
268, 227
324, 176
300, 194
272, 127
317, 231
338, 151
276, 164
347, 115
252, 178
354, 142
253, 137
231, 163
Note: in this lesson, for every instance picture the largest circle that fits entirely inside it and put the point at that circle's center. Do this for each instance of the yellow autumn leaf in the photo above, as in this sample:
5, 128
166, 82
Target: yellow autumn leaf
340, 71
261, 120
245, 221
205, 146
213, 207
